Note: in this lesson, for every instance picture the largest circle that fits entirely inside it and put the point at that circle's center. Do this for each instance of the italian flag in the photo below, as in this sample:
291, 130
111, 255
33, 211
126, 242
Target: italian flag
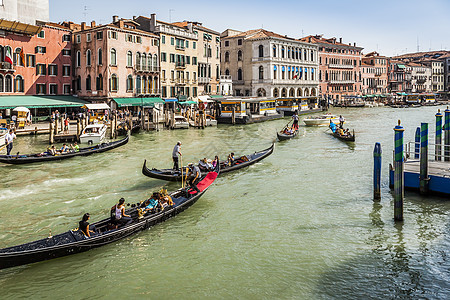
8, 56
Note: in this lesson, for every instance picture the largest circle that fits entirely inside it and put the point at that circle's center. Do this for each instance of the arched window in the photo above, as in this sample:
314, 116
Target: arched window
144, 85
129, 84
261, 72
155, 60
114, 83
150, 62
17, 59
227, 56
275, 93
138, 85
113, 57
100, 56
217, 72
261, 51
299, 92
239, 55
18, 84
88, 83
99, 83
274, 51
261, 92
78, 59
282, 52
227, 72
144, 60
129, 59
274, 72
292, 92
8, 83
239, 74
312, 55
88, 57
283, 93
138, 60
2, 84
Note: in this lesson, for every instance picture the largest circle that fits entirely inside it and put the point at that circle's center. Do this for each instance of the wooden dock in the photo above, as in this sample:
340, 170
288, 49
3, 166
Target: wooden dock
438, 172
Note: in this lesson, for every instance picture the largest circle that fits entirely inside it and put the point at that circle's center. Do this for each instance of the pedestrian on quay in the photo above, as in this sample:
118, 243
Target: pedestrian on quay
175, 153
14, 119
66, 125
9, 137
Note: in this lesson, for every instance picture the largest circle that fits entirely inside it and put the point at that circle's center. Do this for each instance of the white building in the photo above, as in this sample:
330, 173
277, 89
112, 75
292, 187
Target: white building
24, 11
420, 77
437, 73
263, 63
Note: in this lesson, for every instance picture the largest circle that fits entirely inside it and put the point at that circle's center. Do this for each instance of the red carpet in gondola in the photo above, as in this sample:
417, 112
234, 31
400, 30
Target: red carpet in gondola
207, 181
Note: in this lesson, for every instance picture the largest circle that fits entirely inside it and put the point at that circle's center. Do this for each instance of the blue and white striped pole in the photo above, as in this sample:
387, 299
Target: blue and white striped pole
417, 143
398, 173
447, 135
377, 171
438, 140
424, 159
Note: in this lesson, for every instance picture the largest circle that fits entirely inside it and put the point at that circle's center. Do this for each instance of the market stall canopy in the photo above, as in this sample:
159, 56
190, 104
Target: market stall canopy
10, 102
94, 106
170, 100
21, 109
187, 102
144, 102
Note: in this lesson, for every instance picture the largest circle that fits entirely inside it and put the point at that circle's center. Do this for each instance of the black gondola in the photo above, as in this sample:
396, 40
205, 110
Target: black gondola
122, 128
350, 137
283, 136
33, 158
74, 241
242, 162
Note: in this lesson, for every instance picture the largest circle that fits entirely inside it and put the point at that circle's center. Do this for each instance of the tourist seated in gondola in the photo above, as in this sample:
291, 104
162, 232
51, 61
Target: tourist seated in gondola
151, 203
75, 147
120, 217
64, 149
203, 164
341, 131
84, 226
215, 162
332, 126
230, 159
194, 176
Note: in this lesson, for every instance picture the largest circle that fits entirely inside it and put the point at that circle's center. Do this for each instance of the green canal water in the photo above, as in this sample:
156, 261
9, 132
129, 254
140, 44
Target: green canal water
301, 224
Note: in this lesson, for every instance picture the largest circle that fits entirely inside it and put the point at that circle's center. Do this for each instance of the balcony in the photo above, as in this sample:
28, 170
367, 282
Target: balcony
180, 81
180, 47
148, 92
145, 69
204, 80
180, 65
258, 59
342, 82
340, 66
225, 77
6, 66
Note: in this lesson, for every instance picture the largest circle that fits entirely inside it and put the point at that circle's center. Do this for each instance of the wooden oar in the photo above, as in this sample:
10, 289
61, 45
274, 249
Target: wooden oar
5, 146
181, 162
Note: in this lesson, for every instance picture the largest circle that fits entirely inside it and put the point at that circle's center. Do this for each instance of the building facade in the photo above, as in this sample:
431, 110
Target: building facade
115, 61
266, 64
178, 55
208, 54
36, 60
24, 11
374, 74
437, 75
420, 80
398, 77
340, 63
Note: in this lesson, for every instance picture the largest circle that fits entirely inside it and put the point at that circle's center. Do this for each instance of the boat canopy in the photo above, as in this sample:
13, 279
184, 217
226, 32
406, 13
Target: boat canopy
95, 106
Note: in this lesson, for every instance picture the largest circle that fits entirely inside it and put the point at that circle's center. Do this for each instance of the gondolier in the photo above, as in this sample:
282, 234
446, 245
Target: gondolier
295, 118
194, 176
176, 151
9, 141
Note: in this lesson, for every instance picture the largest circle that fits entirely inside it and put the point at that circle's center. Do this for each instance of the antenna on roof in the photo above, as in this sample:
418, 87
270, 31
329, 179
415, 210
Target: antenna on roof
170, 15
418, 45
85, 13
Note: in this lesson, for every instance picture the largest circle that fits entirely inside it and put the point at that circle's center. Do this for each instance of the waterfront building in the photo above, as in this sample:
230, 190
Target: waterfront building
178, 55
115, 60
420, 80
35, 60
398, 76
208, 54
374, 74
24, 11
437, 75
340, 74
266, 64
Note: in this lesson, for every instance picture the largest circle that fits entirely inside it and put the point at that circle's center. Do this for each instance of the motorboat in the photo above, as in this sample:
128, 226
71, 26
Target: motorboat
210, 121
323, 120
180, 122
93, 134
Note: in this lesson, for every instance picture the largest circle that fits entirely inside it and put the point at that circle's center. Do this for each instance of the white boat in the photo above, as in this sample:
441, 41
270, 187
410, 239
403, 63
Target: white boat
180, 123
93, 134
210, 121
323, 120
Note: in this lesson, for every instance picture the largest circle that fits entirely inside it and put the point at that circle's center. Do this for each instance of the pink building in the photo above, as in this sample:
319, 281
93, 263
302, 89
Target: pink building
339, 66
115, 60
41, 60
374, 74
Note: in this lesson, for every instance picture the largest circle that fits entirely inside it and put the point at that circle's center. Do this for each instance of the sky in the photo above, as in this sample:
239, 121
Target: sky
391, 27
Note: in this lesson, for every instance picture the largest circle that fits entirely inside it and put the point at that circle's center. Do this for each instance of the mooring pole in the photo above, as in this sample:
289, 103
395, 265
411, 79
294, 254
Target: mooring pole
416, 143
447, 135
424, 159
377, 171
438, 140
398, 173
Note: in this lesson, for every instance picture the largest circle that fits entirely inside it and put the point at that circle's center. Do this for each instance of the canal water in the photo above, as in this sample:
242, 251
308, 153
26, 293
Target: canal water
300, 224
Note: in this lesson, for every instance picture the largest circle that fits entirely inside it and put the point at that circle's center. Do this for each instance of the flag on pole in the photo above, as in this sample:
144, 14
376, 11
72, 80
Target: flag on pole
8, 55
22, 57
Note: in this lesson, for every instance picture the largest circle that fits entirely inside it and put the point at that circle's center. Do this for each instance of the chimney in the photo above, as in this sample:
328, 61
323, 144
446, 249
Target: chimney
354, 44
134, 18
309, 39
340, 40
115, 19
190, 27
92, 24
83, 25
152, 22
121, 24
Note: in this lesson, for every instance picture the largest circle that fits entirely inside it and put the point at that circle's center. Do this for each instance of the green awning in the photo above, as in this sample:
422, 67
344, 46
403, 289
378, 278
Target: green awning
187, 102
401, 66
147, 102
40, 101
216, 96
